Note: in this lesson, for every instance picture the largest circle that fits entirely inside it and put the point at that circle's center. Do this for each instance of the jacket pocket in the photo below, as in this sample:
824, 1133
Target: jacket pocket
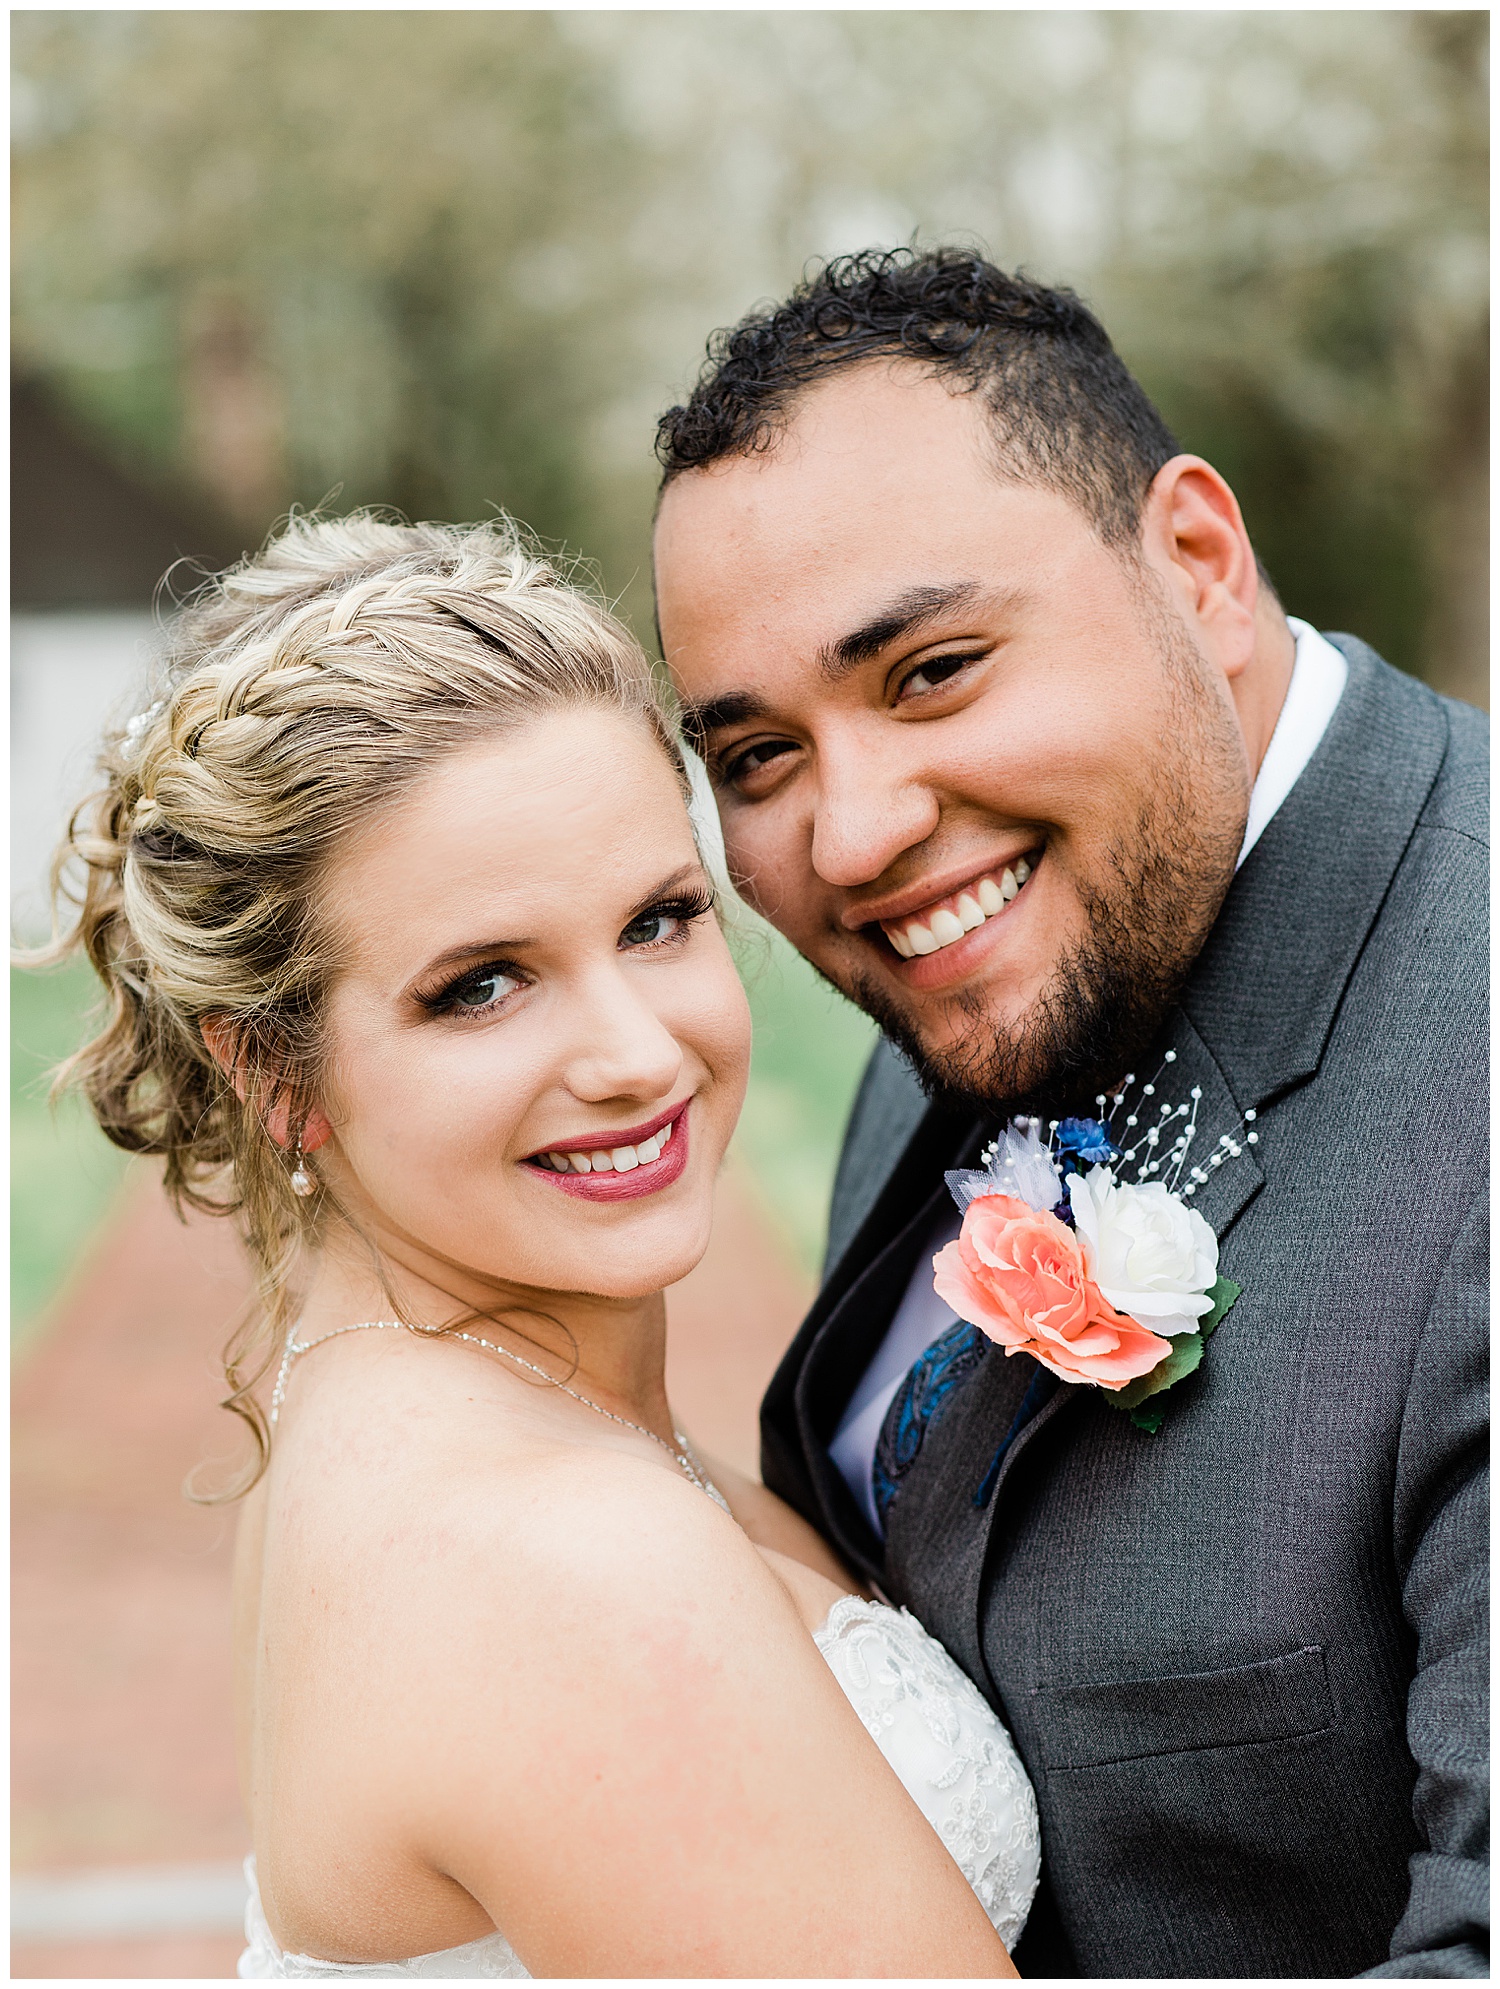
1088, 1726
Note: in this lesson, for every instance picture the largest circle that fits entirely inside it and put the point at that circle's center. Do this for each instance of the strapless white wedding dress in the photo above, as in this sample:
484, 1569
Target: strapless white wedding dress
953, 1756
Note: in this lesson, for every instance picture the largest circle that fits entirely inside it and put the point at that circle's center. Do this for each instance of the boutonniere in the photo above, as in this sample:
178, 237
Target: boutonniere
1081, 1248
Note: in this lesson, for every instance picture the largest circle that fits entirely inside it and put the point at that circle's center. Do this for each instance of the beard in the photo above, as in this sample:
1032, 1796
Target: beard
1145, 922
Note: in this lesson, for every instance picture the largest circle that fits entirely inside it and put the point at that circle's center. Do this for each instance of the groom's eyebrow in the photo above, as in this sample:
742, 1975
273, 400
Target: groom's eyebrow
907, 615
901, 618
709, 715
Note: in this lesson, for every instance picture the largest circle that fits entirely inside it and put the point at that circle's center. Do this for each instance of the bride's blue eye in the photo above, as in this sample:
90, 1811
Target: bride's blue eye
649, 929
667, 921
483, 989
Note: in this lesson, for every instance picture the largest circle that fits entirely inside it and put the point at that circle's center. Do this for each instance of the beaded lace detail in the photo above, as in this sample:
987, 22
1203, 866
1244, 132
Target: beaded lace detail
955, 1759
953, 1756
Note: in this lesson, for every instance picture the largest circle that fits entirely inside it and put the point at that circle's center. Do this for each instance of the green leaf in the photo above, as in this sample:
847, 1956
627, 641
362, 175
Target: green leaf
1223, 1292
1186, 1354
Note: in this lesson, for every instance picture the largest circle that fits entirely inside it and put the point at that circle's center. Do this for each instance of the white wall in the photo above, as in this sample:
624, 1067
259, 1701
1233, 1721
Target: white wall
70, 674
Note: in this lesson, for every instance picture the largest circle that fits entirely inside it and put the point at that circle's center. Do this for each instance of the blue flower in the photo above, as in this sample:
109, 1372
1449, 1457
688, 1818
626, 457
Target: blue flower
1080, 1143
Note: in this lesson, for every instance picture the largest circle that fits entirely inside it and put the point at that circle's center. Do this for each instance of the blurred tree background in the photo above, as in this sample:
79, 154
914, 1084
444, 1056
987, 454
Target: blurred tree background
453, 260
449, 261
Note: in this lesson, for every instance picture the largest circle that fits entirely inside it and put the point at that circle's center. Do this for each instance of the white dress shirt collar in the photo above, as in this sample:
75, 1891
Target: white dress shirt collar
1318, 679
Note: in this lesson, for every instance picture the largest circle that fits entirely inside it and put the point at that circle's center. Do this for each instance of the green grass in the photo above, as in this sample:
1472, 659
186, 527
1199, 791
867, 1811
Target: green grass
63, 1172
810, 1047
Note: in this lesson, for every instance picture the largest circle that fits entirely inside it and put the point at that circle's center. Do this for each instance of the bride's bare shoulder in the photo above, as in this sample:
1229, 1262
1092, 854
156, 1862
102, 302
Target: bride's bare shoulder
457, 1503
585, 1698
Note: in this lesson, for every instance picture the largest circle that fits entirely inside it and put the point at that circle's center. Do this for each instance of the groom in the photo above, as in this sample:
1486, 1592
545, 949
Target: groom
1013, 739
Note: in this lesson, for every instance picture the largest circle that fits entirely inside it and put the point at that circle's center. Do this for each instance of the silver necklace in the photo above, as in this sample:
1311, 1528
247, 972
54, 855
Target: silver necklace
684, 1456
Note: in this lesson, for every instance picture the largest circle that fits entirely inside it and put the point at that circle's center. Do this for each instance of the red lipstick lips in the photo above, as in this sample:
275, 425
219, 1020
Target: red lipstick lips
667, 1133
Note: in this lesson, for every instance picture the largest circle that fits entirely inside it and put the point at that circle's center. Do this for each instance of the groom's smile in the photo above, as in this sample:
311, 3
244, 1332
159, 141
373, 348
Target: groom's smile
988, 773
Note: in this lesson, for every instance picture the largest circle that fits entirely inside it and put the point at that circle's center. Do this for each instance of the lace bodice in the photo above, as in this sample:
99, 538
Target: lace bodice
953, 1756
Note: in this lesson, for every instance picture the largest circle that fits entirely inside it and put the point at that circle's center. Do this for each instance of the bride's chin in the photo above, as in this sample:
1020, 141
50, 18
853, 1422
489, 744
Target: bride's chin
626, 1273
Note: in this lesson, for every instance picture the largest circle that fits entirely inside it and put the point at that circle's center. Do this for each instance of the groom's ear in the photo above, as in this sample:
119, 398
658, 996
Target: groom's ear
1193, 534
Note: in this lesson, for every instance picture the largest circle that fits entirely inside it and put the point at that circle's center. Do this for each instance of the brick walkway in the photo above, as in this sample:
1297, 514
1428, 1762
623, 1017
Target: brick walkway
121, 1746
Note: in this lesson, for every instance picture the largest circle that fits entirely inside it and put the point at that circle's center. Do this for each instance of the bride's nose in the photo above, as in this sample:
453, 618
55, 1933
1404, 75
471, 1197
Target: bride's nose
621, 1048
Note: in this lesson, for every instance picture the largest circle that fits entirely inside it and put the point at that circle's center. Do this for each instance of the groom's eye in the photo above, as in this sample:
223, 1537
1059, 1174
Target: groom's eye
932, 674
738, 769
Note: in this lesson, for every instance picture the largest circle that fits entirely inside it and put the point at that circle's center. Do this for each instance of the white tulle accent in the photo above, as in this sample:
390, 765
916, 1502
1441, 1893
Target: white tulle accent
1016, 1164
953, 1756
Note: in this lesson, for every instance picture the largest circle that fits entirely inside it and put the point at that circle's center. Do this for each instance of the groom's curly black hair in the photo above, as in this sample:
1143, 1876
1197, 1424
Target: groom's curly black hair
1067, 412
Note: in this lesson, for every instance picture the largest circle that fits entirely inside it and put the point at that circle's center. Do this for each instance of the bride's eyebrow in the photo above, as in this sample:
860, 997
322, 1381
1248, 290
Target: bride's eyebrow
487, 949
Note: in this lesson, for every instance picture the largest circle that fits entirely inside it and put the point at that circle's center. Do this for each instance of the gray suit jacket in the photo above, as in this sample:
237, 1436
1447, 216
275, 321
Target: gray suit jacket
1244, 1659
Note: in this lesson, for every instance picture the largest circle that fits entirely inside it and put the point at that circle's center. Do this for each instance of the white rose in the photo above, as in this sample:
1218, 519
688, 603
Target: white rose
1148, 1252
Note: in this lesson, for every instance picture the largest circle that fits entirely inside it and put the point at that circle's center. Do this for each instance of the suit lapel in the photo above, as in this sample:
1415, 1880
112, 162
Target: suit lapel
841, 1333
849, 1337
958, 1491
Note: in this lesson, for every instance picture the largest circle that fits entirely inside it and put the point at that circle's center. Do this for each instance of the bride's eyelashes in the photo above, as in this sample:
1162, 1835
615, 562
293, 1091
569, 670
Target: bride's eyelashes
668, 921
482, 991
478, 991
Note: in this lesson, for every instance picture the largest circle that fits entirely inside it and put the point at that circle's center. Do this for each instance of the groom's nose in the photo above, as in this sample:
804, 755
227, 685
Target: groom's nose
869, 807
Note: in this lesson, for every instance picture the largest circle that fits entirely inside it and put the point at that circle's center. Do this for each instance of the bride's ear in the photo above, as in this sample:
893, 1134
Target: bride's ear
221, 1040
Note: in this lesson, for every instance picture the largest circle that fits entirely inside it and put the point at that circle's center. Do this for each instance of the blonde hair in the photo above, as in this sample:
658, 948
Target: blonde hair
305, 688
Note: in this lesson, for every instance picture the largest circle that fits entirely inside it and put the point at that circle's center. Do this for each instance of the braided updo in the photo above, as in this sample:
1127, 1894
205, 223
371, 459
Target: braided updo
304, 688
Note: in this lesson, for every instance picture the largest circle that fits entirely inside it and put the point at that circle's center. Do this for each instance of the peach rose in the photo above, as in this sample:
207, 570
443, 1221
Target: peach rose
1018, 1274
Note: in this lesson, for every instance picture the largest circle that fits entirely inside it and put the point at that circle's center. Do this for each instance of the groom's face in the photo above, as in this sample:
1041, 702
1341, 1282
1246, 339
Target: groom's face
971, 761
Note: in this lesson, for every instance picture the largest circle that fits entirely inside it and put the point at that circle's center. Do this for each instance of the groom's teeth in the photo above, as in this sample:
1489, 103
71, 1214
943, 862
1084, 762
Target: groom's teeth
952, 921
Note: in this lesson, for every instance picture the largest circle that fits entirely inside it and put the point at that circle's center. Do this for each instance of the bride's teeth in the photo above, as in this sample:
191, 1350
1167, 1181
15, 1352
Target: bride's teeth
970, 913
600, 1162
1023, 871
625, 1158
990, 900
1009, 886
920, 940
580, 1163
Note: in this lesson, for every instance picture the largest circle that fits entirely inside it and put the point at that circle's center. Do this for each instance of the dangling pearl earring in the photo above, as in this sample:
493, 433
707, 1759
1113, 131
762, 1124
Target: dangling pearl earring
302, 1182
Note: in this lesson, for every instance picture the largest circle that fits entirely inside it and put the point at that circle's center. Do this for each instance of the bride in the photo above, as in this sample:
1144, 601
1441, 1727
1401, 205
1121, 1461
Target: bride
413, 969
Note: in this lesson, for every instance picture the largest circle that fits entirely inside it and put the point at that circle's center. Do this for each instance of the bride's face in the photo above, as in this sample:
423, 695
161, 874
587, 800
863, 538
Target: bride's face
530, 970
